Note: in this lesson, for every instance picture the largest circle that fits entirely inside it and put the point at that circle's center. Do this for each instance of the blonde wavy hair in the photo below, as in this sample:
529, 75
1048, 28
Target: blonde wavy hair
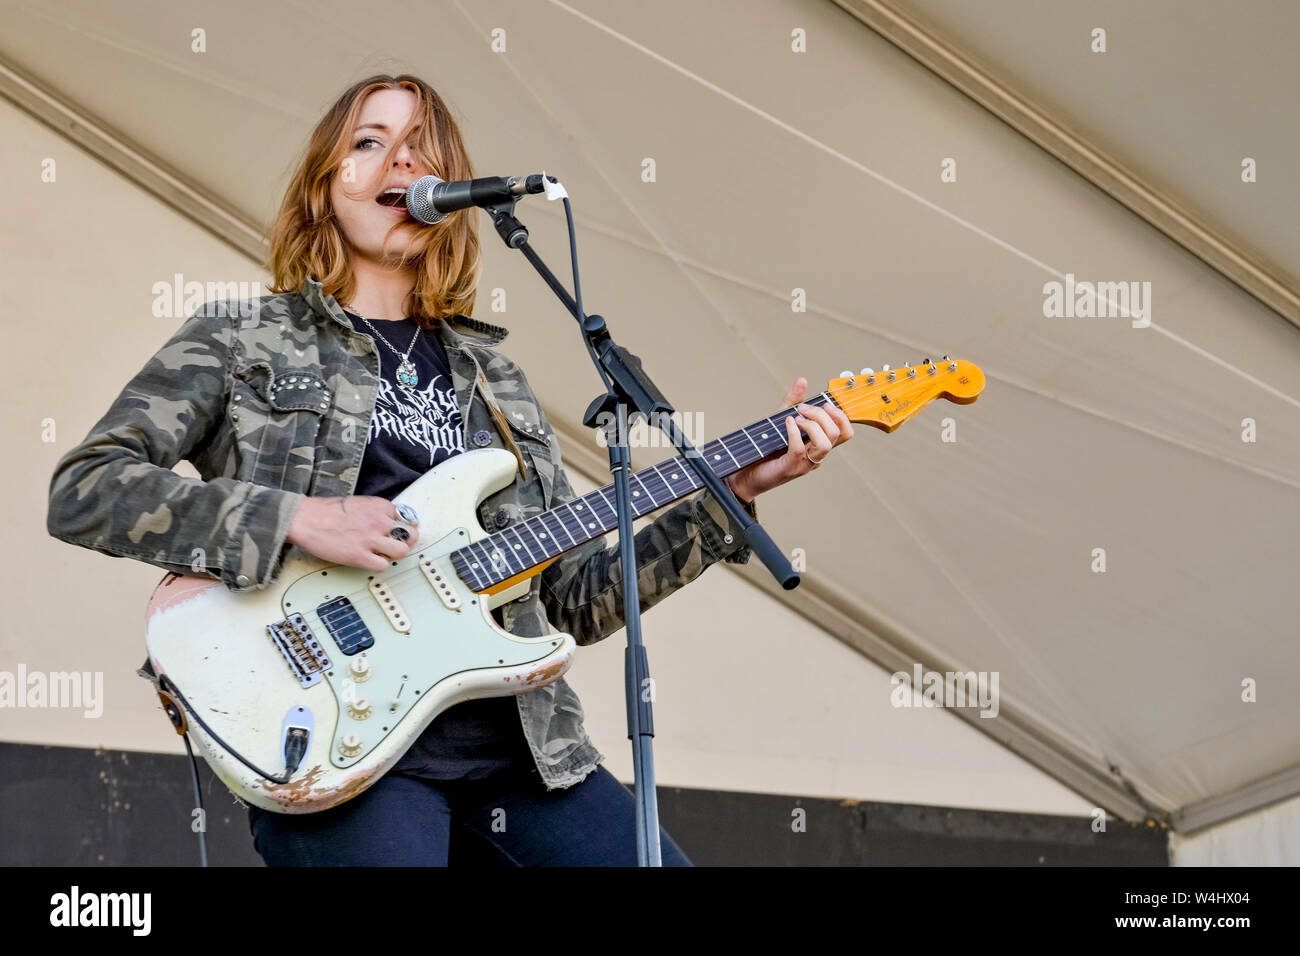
306, 239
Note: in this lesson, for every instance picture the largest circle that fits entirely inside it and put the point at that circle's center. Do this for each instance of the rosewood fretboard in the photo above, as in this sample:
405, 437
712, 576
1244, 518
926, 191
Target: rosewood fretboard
536, 540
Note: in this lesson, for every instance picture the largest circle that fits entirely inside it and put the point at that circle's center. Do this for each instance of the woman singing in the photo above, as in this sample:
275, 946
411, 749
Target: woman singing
307, 411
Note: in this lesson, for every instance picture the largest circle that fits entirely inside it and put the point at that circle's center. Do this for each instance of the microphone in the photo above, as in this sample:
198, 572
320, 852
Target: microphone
429, 198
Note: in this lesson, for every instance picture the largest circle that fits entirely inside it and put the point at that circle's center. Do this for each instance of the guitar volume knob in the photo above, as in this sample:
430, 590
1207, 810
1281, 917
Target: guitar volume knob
359, 670
360, 708
350, 745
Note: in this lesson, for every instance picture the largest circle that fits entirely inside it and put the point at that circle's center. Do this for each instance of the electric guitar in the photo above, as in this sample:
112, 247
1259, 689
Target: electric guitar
303, 694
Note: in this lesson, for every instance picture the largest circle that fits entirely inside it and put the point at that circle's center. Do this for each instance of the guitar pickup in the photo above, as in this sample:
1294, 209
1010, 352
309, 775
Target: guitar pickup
436, 575
345, 626
388, 603
303, 653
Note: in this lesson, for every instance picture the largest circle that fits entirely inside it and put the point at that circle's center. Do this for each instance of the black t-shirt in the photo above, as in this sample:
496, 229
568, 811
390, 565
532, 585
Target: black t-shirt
413, 429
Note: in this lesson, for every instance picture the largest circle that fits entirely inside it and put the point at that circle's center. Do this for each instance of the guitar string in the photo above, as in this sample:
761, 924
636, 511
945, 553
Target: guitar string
854, 403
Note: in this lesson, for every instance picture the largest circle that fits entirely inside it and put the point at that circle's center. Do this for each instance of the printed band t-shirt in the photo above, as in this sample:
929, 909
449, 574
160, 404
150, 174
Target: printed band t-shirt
412, 430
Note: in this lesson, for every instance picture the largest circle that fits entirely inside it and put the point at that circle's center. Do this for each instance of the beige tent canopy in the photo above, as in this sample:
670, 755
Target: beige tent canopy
767, 190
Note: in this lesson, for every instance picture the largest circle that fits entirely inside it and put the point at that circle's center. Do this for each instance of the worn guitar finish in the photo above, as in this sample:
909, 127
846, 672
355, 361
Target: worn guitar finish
353, 665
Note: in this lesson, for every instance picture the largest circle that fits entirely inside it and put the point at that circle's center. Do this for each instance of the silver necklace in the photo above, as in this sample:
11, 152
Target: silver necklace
406, 371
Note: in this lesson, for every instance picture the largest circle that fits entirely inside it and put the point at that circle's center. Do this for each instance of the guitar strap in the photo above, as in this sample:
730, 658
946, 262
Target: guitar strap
502, 425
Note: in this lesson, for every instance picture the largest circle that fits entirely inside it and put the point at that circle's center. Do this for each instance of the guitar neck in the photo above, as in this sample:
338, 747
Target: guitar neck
543, 537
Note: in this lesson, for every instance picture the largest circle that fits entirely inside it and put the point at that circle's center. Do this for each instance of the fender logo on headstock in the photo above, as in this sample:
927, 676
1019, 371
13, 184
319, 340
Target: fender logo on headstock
890, 413
909, 389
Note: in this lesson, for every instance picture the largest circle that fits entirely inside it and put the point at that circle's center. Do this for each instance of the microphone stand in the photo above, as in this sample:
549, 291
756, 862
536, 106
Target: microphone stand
628, 386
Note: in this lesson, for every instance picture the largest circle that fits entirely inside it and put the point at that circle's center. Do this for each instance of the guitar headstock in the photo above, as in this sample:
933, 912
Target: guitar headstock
891, 396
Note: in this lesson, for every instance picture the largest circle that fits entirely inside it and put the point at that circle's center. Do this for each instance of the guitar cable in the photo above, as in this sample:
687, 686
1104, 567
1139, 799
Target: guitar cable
295, 748
198, 801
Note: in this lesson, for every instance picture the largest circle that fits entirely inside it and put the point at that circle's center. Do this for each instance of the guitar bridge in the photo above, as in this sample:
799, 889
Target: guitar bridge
303, 653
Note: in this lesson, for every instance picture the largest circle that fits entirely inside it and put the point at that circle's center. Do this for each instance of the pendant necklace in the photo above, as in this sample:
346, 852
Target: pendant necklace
406, 371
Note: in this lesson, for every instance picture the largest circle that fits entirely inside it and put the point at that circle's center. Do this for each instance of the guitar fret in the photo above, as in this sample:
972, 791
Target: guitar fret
612, 510
545, 519
565, 525
467, 566
582, 526
728, 451
484, 561
638, 480
497, 560
499, 556
494, 556
551, 542
506, 553
476, 550
689, 473
480, 579
654, 470
778, 433
527, 526
522, 544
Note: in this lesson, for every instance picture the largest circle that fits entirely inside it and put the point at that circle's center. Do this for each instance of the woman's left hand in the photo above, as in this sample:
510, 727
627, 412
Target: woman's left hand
827, 427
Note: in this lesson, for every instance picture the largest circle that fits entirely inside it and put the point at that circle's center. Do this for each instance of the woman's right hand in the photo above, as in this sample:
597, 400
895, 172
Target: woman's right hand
352, 531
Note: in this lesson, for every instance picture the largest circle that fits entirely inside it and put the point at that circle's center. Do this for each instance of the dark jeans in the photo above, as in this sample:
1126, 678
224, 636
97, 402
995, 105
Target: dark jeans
508, 819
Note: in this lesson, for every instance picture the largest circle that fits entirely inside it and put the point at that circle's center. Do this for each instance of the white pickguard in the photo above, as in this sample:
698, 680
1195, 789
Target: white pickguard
213, 644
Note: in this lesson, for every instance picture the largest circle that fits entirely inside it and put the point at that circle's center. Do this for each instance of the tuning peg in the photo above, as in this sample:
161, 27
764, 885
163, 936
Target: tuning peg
846, 374
925, 361
945, 358
884, 368
866, 371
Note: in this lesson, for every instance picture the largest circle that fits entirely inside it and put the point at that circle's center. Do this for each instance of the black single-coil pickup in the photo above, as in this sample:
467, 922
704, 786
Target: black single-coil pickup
305, 656
345, 626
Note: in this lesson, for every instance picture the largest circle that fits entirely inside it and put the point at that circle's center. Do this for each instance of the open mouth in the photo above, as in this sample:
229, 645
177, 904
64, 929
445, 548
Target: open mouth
395, 198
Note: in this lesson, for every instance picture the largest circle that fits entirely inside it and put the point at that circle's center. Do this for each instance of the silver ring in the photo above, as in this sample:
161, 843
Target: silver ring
407, 514
809, 458
401, 534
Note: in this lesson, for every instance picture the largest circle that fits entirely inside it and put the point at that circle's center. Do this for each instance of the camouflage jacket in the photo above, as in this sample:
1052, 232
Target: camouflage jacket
205, 397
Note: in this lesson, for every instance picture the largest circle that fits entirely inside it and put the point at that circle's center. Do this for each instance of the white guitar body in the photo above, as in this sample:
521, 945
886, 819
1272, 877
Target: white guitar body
435, 644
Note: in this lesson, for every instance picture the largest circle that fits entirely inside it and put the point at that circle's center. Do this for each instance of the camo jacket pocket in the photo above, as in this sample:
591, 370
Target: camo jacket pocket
276, 416
528, 430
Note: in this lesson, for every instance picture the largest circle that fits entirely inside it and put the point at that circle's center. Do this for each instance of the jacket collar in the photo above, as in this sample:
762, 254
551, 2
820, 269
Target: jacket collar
454, 331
